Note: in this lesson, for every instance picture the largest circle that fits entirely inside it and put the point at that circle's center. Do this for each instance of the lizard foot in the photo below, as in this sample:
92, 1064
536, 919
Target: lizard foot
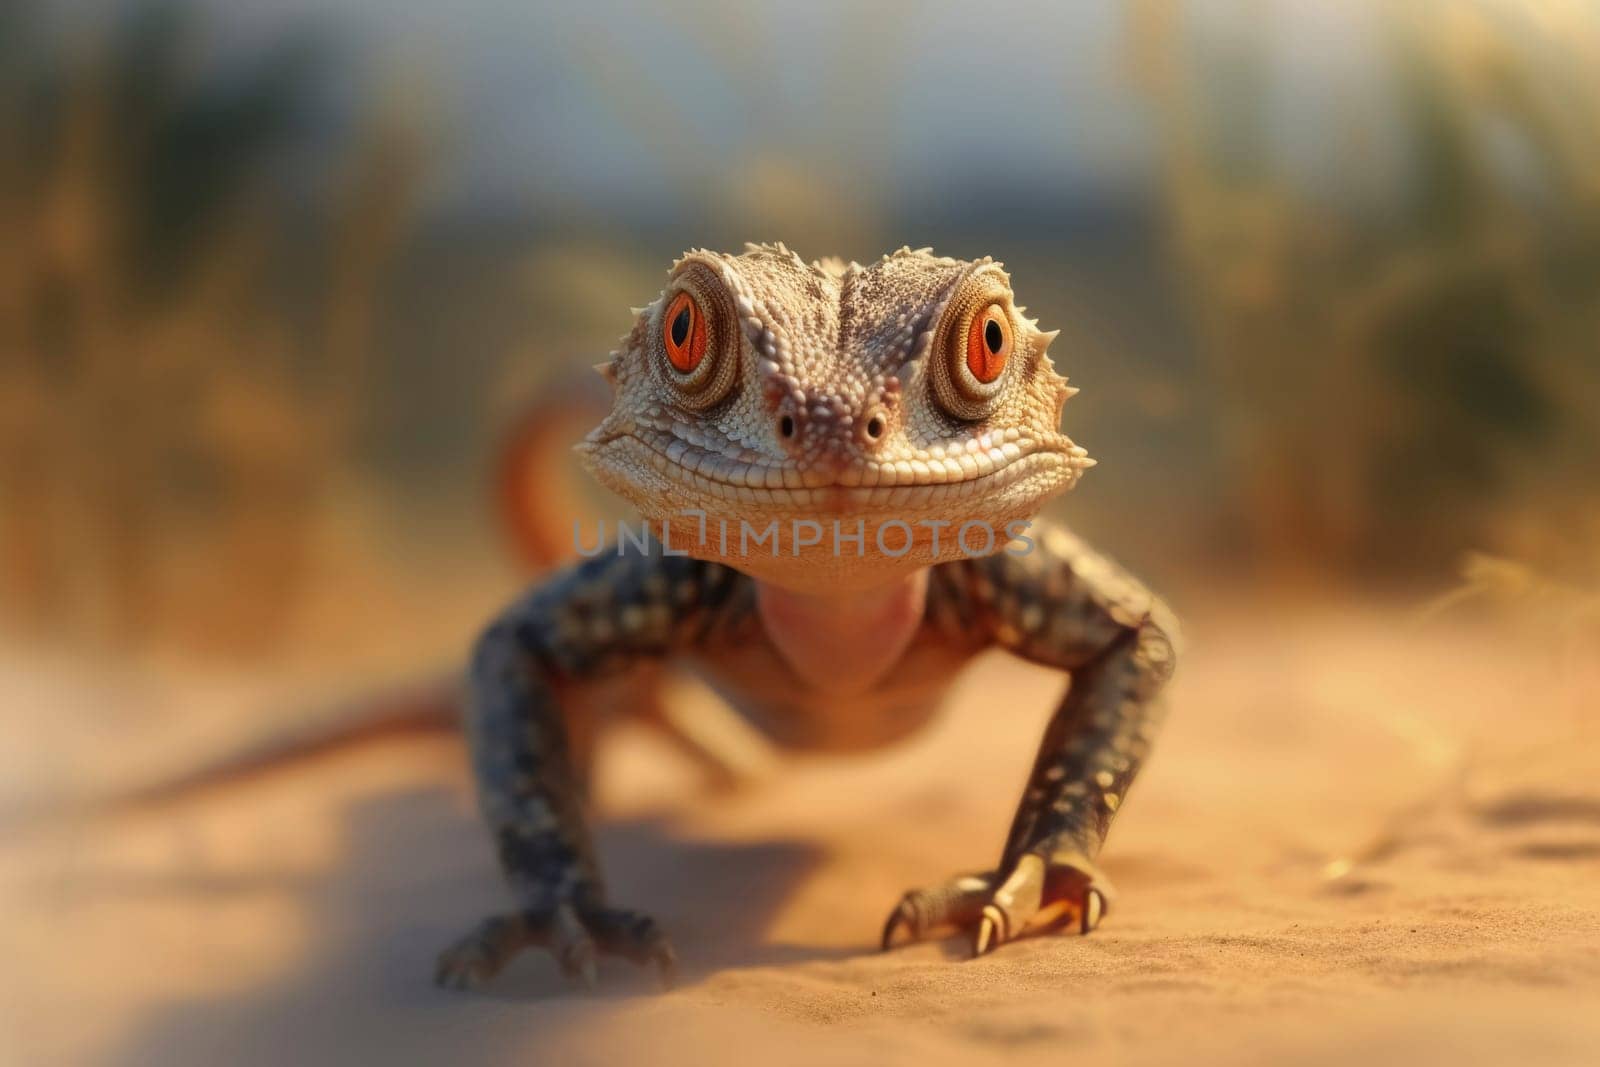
576, 938
1033, 897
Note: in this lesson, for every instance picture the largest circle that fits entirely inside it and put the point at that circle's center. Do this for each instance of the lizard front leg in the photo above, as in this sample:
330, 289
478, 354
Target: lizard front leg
589, 622
1067, 607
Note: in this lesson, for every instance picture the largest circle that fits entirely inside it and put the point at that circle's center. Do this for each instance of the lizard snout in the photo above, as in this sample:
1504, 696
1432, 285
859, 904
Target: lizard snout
830, 432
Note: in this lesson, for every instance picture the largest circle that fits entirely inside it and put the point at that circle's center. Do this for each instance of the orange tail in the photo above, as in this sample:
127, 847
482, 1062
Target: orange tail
535, 500
536, 497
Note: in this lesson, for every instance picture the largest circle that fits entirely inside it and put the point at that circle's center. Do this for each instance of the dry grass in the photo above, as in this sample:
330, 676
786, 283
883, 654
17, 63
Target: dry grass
1403, 354
167, 429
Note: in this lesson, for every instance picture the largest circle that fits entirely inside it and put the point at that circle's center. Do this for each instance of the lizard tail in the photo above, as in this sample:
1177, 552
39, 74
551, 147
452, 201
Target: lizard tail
428, 705
536, 497
533, 499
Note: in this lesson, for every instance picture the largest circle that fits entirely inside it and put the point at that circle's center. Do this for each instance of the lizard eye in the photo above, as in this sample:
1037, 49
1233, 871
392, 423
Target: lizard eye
988, 344
683, 333
977, 345
698, 359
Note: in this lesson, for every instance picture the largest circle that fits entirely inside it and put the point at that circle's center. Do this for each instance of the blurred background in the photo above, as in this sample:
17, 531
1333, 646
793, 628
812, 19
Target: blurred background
278, 280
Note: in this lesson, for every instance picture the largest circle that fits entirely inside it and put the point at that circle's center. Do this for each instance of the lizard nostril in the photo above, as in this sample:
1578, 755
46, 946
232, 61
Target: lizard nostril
786, 426
870, 433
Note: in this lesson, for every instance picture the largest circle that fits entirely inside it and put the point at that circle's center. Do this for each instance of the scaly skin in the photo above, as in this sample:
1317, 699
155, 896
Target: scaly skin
910, 390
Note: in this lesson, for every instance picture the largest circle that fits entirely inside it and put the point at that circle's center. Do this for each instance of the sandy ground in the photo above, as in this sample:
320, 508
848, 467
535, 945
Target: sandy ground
1356, 843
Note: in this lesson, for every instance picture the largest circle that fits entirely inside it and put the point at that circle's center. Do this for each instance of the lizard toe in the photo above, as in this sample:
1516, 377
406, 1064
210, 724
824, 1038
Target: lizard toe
920, 912
1011, 907
634, 936
1068, 893
480, 955
1032, 896
576, 939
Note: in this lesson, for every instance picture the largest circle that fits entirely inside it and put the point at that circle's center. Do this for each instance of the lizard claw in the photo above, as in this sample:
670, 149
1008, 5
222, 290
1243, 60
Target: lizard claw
575, 938
635, 936
473, 960
1012, 907
920, 911
897, 918
1093, 911
992, 920
1032, 896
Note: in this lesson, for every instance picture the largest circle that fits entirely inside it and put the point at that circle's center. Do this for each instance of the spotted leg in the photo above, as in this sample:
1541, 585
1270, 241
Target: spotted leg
587, 623
1064, 606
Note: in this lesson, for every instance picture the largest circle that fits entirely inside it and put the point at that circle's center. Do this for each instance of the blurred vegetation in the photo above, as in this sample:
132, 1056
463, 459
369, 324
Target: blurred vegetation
1404, 344
167, 421
1349, 331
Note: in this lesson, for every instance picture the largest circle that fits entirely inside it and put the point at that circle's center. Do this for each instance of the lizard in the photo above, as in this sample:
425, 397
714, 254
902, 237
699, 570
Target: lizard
757, 393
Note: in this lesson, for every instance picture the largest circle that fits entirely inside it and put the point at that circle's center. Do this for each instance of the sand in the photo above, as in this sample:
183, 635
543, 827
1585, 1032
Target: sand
1358, 842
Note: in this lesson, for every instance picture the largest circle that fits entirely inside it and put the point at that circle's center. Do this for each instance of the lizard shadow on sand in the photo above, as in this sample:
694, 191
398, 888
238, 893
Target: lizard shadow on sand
416, 873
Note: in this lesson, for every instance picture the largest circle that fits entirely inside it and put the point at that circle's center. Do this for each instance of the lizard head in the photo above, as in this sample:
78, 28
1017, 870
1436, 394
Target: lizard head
899, 401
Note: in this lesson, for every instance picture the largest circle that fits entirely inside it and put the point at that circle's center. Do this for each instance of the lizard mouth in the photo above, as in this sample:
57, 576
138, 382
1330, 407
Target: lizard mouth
961, 477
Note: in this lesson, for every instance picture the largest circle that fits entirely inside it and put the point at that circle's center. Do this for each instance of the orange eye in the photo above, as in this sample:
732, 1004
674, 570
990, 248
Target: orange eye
988, 344
683, 332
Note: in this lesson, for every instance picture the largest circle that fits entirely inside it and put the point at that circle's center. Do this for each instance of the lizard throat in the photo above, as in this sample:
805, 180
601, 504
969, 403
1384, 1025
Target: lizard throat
843, 643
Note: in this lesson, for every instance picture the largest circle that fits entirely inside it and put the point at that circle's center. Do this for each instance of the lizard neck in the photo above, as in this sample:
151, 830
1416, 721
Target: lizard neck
843, 642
